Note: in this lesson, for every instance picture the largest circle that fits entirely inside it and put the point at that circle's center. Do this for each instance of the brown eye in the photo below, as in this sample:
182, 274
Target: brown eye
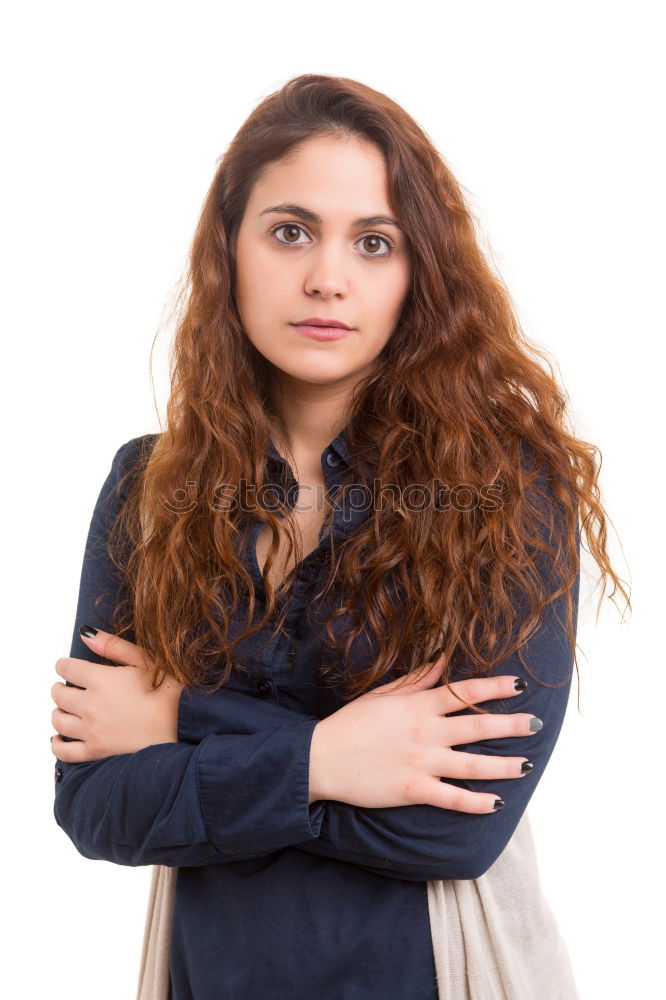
291, 233
372, 243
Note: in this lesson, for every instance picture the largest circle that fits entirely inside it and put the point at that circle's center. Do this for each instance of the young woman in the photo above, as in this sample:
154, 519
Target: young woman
362, 515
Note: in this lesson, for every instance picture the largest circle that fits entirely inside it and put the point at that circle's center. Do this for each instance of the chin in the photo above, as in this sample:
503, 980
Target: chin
317, 373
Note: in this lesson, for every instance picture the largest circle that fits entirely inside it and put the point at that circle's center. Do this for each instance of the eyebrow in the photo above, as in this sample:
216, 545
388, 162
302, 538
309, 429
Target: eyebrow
308, 216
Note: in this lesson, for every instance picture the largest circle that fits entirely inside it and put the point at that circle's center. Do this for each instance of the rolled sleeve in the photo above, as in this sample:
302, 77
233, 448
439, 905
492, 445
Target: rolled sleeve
255, 790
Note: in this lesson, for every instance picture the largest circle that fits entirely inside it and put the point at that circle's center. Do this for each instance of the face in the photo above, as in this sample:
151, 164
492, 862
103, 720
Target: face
306, 248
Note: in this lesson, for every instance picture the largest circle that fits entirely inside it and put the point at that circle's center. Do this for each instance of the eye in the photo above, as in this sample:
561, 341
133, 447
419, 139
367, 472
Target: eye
293, 230
375, 237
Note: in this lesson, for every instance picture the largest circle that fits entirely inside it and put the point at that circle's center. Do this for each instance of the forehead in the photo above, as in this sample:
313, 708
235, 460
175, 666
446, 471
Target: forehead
345, 177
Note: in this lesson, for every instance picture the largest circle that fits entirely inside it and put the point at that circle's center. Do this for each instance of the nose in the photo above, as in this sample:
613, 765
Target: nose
326, 273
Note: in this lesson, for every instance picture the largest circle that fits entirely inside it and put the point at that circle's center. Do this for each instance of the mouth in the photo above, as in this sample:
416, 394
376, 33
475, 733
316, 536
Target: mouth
321, 332
322, 329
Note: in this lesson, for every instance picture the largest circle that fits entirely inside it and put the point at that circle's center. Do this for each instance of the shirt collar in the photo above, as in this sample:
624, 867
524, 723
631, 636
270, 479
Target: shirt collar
339, 445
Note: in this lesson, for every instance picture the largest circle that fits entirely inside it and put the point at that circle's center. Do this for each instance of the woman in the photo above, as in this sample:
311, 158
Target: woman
362, 514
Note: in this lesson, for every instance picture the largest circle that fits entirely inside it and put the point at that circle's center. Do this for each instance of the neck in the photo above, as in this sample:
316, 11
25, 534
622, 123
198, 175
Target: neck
309, 417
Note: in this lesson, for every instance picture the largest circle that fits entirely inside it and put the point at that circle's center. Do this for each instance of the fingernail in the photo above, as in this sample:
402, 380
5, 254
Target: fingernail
520, 684
535, 724
498, 804
526, 766
88, 631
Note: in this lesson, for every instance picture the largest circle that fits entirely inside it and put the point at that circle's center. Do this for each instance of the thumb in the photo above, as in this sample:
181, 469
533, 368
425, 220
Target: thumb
112, 647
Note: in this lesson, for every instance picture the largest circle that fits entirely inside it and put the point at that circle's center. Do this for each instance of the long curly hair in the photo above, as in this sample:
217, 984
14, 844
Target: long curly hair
458, 398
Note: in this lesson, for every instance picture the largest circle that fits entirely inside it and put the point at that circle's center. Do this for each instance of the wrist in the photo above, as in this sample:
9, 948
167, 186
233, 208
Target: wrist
164, 723
320, 765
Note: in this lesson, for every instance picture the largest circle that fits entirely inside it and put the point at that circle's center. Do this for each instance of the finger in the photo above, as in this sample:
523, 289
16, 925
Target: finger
112, 647
66, 724
70, 753
439, 793
69, 699
453, 698
476, 766
416, 680
462, 729
81, 673
76, 671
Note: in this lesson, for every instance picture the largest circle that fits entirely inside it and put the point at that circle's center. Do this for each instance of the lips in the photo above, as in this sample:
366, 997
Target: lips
327, 322
321, 332
318, 328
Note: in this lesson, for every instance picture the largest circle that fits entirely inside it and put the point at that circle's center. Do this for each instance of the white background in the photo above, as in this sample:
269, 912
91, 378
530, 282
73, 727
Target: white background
115, 117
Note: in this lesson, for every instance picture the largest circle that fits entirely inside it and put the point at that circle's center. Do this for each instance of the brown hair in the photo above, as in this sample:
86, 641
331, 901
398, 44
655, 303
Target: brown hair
458, 396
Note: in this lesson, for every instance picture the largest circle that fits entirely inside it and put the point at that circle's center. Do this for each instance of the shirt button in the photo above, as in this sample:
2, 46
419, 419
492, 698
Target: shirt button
58, 772
264, 687
331, 459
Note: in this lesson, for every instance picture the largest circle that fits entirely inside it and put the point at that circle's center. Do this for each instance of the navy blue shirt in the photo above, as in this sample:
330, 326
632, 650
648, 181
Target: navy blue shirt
277, 898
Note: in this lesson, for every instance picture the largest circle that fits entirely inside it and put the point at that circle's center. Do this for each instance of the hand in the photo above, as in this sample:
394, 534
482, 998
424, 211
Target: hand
390, 748
117, 711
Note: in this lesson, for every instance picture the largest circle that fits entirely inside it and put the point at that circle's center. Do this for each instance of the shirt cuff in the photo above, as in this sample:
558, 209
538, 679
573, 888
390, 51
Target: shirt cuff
254, 790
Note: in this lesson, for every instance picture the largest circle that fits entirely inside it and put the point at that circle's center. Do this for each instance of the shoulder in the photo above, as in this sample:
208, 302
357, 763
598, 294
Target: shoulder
131, 452
125, 462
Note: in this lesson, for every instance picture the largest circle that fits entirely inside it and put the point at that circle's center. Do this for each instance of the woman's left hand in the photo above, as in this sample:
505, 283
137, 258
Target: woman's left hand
117, 711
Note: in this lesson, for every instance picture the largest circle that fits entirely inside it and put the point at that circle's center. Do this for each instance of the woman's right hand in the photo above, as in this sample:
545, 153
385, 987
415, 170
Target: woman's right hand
391, 748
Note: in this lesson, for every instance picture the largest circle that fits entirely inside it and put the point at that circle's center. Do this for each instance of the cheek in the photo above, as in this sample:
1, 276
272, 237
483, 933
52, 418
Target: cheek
389, 297
261, 287
250, 302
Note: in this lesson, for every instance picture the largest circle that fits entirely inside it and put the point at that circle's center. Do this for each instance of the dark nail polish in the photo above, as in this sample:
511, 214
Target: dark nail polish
498, 804
535, 724
88, 631
526, 766
520, 684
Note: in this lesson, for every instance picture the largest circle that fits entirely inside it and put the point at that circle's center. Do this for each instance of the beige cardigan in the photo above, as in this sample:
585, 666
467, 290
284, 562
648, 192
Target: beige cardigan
494, 937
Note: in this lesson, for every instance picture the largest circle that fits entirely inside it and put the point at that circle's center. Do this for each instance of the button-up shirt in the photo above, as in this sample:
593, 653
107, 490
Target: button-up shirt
278, 898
